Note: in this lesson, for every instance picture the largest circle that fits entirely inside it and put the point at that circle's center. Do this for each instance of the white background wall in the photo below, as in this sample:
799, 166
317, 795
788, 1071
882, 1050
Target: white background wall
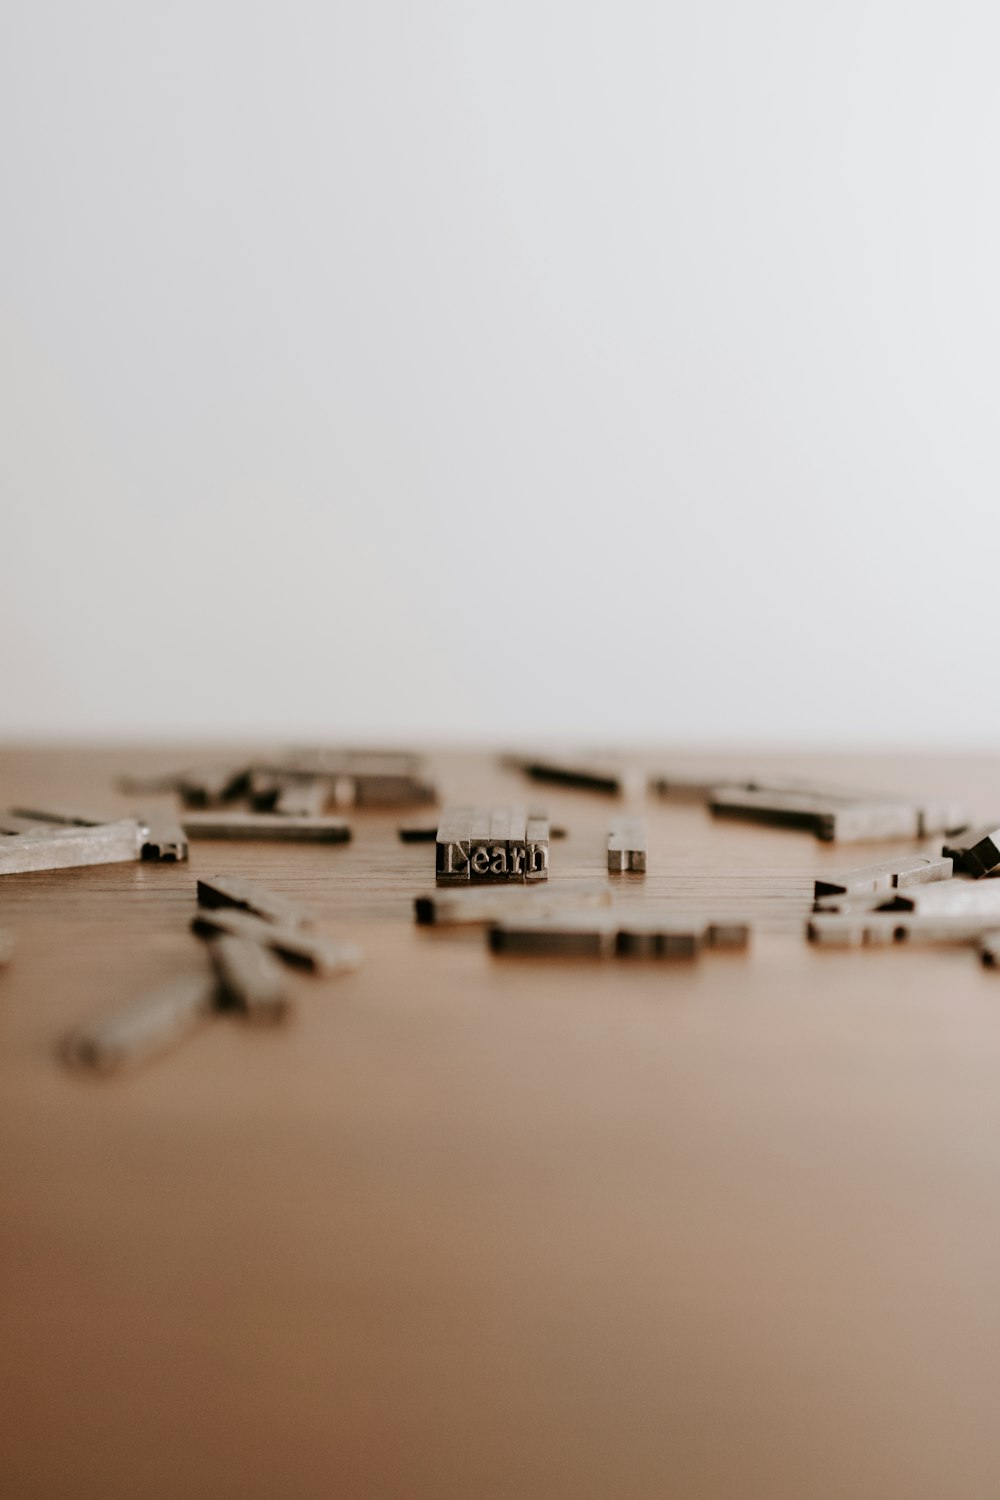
542, 366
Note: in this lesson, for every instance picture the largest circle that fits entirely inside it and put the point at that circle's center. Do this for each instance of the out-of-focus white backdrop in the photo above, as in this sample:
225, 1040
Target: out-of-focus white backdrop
617, 370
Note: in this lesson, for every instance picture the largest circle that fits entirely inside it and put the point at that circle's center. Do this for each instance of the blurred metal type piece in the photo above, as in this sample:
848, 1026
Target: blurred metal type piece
304, 797
250, 978
880, 928
214, 786
966, 897
830, 820
627, 846
892, 874
501, 902
253, 825
323, 955
989, 949
163, 838
67, 848
215, 891
570, 934
593, 776
417, 833
977, 852
147, 1027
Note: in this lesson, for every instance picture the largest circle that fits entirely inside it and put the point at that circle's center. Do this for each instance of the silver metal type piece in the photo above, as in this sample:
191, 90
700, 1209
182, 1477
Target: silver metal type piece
892, 874
500, 902
149, 1026
322, 955
252, 825
454, 842
163, 838
627, 846
65, 848
251, 980
563, 934
215, 891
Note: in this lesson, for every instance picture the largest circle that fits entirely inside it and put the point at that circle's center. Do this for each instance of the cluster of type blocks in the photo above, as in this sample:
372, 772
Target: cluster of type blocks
480, 844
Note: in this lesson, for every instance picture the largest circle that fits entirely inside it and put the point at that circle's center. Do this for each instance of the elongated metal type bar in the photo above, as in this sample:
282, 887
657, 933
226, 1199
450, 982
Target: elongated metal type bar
149, 1026
323, 955
251, 980
215, 891
597, 934
892, 874
251, 825
68, 848
593, 777
966, 897
563, 934
500, 902
830, 820
880, 928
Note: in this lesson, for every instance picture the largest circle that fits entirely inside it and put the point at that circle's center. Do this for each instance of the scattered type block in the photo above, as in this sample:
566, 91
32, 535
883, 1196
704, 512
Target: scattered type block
323, 955
221, 891
213, 787
459, 908
627, 846
491, 844
844, 822
252, 825
678, 786
302, 797
561, 934
640, 934
977, 852
970, 897
149, 1026
417, 833
362, 778
250, 979
65, 848
892, 874
594, 776
163, 838
880, 928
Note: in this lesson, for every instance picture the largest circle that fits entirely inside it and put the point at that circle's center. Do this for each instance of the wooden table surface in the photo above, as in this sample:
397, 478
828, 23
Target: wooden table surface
478, 1227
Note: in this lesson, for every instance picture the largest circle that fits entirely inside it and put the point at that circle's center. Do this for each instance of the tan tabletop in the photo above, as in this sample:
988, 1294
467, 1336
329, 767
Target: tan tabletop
479, 1227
